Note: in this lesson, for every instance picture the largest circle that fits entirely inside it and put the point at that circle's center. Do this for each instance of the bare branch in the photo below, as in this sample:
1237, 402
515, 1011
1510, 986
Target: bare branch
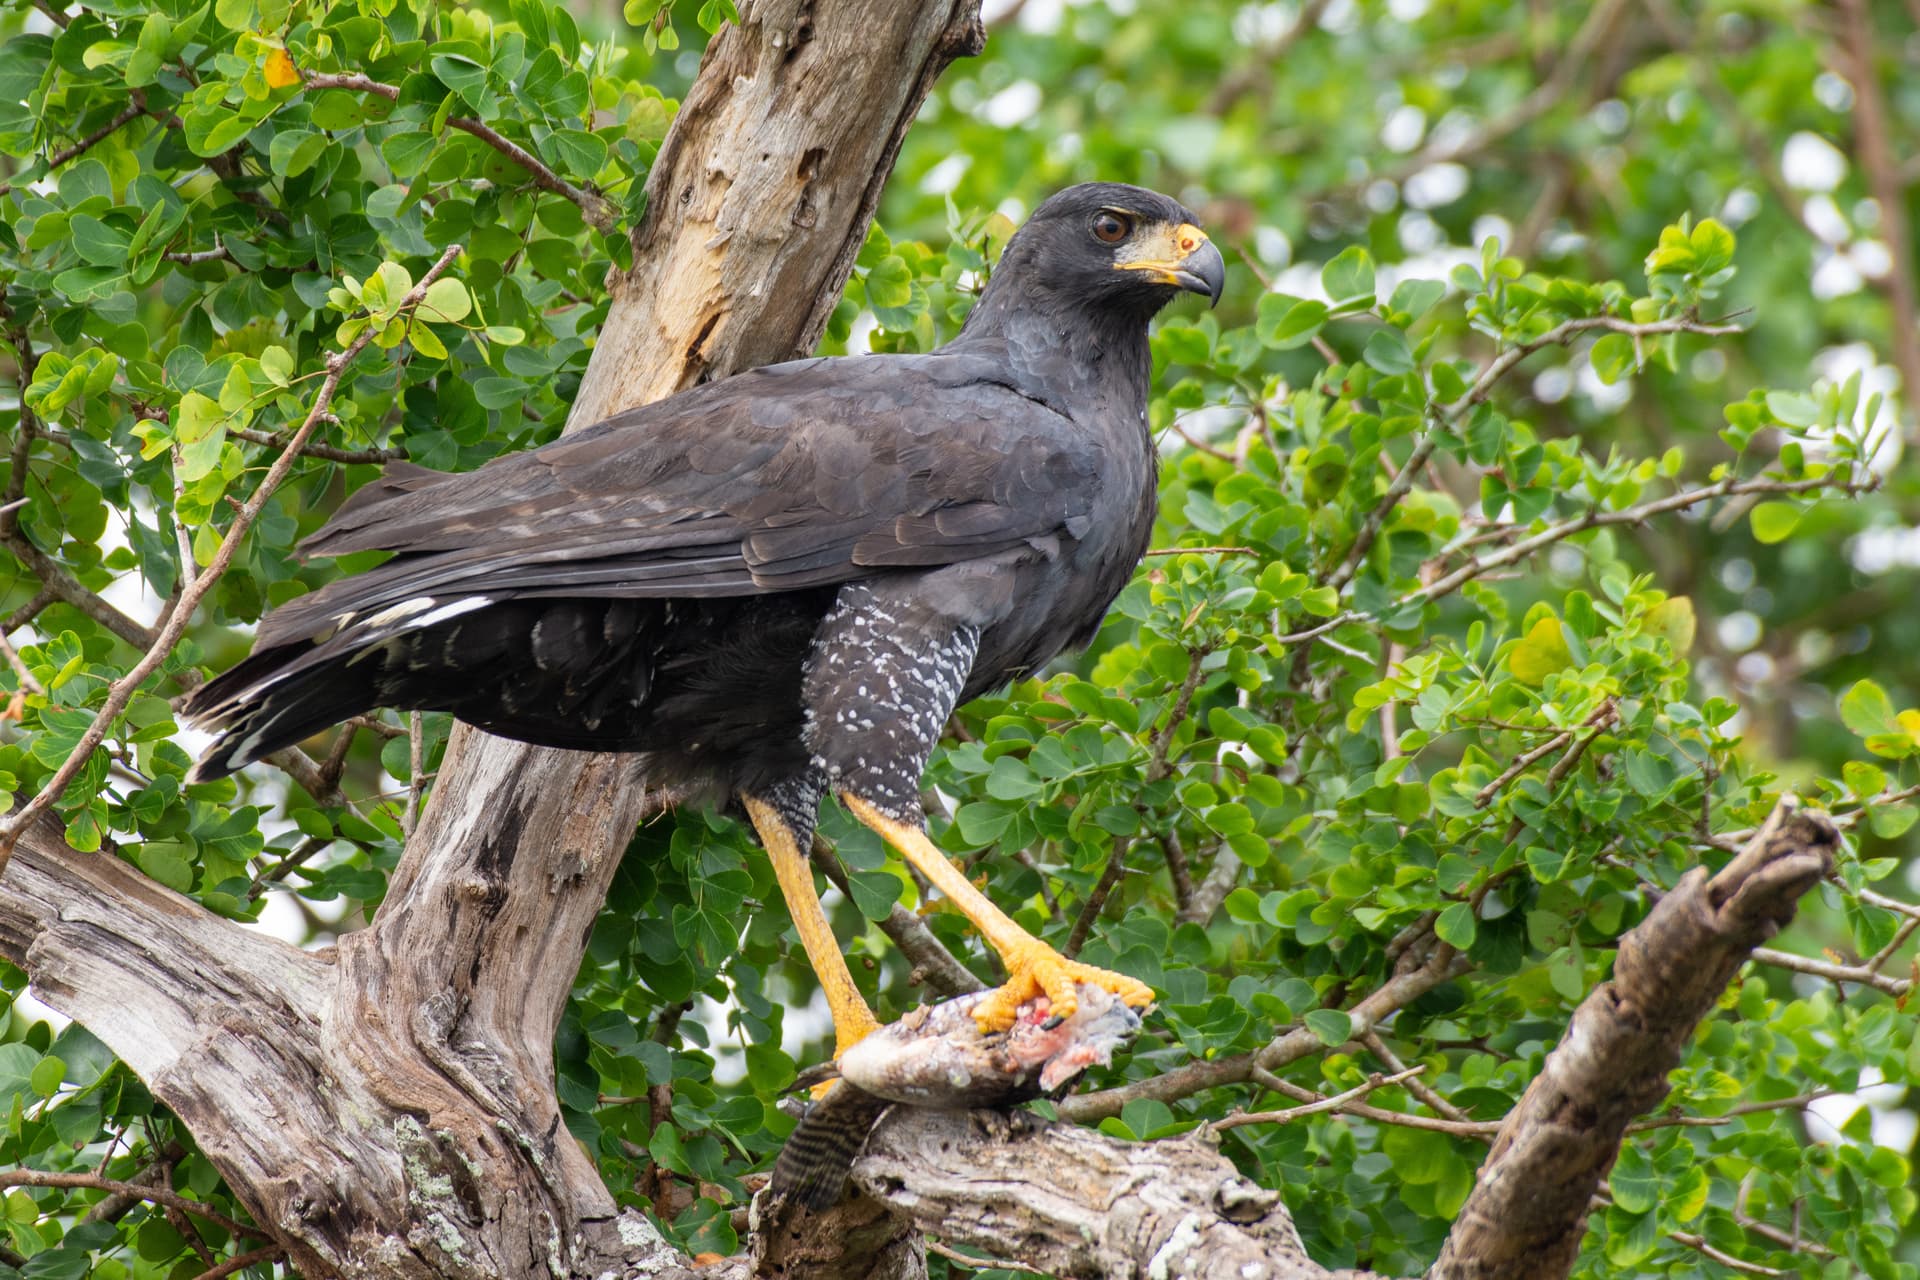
1336, 1102
1097, 900
1859, 974
137, 1190
1873, 141
330, 453
930, 959
1838, 481
1600, 720
1483, 386
241, 1261
1528, 1210
136, 107
1601, 20
416, 773
601, 213
1288, 1047
28, 680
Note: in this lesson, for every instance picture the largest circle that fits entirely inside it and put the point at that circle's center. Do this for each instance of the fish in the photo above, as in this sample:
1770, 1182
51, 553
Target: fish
937, 1057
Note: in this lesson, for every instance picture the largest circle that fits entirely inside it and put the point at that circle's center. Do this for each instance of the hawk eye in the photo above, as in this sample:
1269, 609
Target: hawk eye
1110, 227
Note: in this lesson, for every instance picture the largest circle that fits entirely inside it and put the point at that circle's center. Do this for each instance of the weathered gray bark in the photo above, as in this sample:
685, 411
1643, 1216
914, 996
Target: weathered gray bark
305, 1109
390, 1109
1529, 1206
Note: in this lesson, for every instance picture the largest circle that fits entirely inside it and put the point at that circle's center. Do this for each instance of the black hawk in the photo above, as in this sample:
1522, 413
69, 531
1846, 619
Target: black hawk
779, 584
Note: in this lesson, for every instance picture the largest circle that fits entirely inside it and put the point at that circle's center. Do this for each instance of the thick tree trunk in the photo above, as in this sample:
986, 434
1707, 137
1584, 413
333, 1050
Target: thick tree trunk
391, 1113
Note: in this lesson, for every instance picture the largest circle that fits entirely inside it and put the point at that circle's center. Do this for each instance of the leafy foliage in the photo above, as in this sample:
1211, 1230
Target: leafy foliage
1501, 577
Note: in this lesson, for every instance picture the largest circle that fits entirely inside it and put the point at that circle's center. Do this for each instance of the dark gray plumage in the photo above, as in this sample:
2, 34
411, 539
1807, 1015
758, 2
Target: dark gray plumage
774, 583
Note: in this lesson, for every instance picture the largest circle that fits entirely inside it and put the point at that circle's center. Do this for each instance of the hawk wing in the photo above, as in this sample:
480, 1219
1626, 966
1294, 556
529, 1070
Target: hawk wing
787, 477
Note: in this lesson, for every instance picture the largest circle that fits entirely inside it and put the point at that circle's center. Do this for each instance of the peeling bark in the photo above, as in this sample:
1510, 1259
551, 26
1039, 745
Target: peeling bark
389, 1111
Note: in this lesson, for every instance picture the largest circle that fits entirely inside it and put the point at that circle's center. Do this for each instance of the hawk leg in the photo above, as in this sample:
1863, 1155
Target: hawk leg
1033, 967
886, 670
785, 839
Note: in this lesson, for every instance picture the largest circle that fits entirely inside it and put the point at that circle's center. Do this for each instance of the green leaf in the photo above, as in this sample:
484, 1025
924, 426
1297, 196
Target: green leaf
294, 150
577, 152
407, 153
890, 282
874, 892
1636, 1187
446, 300
167, 864
1456, 926
425, 341
97, 242
462, 75
48, 1075
1614, 357
1774, 521
1285, 322
1793, 408
1866, 710
1540, 653
1349, 277
1334, 1027
1388, 352
1712, 246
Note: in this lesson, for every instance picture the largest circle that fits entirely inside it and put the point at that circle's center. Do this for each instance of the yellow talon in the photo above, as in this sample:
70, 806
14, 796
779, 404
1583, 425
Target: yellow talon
1035, 969
850, 1027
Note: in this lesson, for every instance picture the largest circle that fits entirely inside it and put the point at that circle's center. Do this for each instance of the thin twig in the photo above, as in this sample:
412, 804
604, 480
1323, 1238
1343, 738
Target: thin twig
1601, 20
1203, 551
1097, 900
241, 1261
1423, 450
1797, 1103
931, 961
1599, 720
134, 108
1158, 767
1377, 1046
312, 449
123, 689
194, 257
1476, 1130
1178, 868
158, 1195
600, 212
1289, 1046
1700, 1245
1841, 482
28, 681
981, 1264
1334, 1103
1860, 975
416, 773
1261, 70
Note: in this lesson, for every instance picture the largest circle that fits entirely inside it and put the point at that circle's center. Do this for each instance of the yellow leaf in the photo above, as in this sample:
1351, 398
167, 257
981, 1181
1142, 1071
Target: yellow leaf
1673, 618
1540, 653
1909, 720
280, 71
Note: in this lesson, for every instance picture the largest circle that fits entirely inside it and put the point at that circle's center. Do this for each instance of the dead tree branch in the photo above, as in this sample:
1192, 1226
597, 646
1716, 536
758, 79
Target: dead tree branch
1528, 1212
